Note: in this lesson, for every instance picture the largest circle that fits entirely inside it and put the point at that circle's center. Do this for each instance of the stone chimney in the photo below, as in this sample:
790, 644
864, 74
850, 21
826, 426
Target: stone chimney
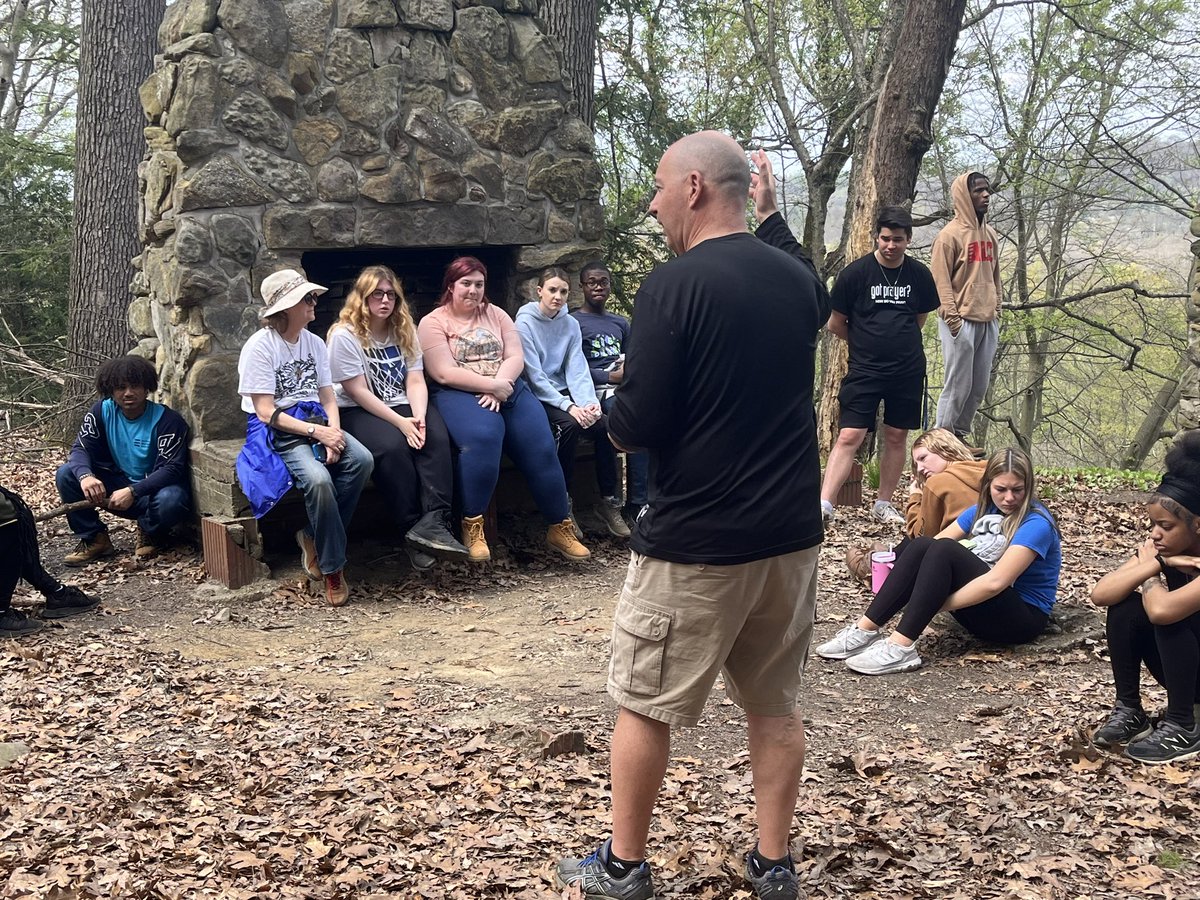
330, 134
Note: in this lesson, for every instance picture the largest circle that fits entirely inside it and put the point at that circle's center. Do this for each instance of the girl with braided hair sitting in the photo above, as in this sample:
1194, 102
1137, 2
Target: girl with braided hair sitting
19, 551
1153, 603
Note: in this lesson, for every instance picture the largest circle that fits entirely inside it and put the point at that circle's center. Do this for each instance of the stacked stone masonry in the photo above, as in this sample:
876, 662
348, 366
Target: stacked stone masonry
276, 128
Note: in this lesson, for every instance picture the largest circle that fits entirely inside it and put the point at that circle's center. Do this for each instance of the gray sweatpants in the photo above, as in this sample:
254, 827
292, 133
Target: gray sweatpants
968, 363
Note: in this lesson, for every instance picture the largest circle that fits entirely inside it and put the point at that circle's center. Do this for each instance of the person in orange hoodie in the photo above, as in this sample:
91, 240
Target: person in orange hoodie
967, 273
946, 479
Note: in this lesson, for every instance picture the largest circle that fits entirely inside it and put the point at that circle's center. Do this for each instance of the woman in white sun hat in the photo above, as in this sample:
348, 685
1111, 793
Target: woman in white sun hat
293, 431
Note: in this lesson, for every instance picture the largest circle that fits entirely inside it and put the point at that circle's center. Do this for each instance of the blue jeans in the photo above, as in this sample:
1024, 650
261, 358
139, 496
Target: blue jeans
155, 513
521, 430
330, 495
637, 470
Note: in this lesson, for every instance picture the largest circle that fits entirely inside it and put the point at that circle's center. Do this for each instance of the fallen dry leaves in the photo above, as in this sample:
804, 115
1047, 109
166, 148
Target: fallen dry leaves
151, 775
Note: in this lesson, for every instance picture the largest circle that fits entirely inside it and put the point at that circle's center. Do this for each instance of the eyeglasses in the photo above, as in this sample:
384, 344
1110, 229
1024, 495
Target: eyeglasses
310, 299
598, 282
379, 296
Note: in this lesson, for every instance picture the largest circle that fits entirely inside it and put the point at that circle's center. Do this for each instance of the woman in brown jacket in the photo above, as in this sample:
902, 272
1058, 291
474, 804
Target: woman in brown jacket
946, 478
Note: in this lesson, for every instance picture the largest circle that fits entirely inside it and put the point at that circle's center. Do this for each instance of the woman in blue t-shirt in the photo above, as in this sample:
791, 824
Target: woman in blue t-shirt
996, 573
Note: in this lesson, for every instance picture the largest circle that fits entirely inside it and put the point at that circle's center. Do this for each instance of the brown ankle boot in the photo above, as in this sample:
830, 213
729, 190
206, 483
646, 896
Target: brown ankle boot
474, 538
561, 538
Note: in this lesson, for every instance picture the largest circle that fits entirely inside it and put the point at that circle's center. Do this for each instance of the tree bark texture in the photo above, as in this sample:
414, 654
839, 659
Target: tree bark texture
900, 134
117, 43
1165, 402
573, 23
1189, 403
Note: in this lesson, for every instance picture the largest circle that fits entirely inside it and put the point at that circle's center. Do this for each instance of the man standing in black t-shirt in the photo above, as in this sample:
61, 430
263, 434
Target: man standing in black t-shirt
880, 303
718, 387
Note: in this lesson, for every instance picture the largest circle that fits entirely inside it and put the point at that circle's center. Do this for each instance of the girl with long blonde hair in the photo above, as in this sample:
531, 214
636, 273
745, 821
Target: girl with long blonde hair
995, 569
376, 362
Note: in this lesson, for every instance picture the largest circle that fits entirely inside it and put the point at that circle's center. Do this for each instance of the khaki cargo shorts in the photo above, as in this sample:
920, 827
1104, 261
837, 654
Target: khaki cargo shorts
677, 625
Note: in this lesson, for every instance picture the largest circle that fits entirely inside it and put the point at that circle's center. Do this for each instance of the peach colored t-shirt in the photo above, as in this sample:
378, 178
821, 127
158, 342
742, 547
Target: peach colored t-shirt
478, 347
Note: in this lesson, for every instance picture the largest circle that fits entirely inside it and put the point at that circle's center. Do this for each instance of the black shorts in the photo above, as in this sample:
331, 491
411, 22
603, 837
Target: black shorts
861, 395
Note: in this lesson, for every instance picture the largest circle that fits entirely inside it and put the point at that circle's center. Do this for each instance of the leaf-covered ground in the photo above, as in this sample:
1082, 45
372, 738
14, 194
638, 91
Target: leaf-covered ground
190, 742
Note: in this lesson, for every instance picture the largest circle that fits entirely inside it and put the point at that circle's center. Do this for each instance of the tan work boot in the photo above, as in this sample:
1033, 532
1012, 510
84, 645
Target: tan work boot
308, 555
88, 551
146, 548
337, 591
474, 538
561, 538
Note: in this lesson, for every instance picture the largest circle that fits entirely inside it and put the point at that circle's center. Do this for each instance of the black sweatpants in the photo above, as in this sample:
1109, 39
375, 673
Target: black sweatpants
414, 482
19, 555
566, 436
1171, 654
928, 572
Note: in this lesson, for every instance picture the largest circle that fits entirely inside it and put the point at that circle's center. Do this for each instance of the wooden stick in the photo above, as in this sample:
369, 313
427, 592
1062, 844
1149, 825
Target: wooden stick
64, 509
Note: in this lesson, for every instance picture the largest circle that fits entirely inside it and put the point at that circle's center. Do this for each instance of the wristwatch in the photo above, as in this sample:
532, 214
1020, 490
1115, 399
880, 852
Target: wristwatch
312, 429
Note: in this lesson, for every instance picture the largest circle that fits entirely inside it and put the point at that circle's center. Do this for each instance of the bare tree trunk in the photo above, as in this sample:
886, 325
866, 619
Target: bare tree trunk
899, 136
573, 24
1151, 429
117, 43
8, 50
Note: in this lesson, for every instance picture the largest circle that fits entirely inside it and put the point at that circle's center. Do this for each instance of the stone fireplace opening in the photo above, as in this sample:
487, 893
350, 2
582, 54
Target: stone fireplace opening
420, 270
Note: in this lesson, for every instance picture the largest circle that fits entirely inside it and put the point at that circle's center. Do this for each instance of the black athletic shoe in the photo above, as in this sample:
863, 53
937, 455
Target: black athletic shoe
419, 559
432, 534
68, 601
1124, 725
14, 624
1168, 743
773, 884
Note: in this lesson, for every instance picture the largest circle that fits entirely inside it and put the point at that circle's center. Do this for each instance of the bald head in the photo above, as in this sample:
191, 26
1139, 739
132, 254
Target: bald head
719, 160
700, 189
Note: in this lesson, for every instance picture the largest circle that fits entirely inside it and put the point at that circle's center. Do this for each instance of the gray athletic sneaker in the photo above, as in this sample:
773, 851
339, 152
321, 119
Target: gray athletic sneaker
884, 658
848, 642
598, 884
884, 512
777, 884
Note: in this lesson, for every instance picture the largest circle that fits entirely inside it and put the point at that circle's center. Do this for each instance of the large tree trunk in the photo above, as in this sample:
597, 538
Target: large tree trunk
899, 136
573, 24
1165, 402
117, 43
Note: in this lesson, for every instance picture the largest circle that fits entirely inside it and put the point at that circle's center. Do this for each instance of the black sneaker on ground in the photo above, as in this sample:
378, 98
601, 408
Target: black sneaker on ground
432, 535
1169, 742
68, 600
14, 624
419, 559
774, 884
599, 884
1124, 725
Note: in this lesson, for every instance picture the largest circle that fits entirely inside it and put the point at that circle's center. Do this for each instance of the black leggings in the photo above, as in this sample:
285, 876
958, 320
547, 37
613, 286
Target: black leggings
19, 555
1171, 654
413, 482
928, 572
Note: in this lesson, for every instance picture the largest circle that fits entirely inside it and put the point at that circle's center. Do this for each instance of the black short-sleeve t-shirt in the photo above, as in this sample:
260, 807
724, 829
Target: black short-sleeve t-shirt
882, 306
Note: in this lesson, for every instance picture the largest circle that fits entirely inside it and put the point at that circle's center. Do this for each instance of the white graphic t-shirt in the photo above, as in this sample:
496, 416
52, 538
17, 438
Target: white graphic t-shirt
289, 372
383, 364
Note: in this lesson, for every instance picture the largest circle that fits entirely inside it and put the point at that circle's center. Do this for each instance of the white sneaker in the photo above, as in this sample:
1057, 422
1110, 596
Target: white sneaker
884, 658
884, 512
827, 512
848, 642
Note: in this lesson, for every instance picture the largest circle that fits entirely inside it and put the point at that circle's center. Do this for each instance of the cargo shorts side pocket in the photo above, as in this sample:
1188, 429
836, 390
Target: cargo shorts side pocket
639, 643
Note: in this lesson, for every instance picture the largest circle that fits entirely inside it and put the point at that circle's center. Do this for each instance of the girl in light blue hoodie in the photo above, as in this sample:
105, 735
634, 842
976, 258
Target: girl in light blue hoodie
557, 372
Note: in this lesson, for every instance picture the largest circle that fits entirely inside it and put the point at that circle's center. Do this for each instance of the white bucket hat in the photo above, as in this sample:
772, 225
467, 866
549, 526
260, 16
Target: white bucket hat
284, 289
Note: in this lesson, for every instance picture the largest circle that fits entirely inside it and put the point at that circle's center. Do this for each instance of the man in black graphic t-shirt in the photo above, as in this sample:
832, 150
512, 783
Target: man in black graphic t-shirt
880, 302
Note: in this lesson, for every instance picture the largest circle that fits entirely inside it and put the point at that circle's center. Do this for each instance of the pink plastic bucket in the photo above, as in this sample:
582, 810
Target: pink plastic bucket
881, 566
